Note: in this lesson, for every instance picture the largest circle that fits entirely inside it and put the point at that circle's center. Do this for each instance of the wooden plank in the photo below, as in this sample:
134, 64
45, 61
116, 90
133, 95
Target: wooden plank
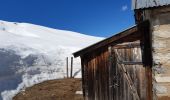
126, 46
110, 74
149, 83
130, 63
86, 75
83, 76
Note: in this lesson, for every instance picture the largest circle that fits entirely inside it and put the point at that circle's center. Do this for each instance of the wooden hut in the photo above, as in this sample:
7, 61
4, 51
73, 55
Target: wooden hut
119, 67
133, 64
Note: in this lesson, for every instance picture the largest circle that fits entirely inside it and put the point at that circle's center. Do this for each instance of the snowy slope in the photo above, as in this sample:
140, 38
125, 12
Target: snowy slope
30, 54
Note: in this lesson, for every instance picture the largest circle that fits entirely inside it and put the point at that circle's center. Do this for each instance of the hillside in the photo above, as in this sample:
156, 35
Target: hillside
30, 54
61, 89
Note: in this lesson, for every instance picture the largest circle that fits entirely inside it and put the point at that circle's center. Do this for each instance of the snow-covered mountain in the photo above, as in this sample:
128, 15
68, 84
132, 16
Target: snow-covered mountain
30, 54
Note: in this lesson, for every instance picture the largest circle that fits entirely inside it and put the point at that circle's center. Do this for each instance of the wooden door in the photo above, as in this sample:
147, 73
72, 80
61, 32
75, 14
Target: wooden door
128, 75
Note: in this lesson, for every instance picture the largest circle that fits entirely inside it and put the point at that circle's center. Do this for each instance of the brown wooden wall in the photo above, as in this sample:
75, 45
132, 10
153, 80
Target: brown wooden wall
95, 75
104, 78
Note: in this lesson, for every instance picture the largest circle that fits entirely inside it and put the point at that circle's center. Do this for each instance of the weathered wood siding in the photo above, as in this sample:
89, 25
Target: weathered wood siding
105, 79
95, 75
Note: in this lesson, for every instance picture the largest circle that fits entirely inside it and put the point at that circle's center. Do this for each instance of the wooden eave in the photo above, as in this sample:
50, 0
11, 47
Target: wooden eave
110, 40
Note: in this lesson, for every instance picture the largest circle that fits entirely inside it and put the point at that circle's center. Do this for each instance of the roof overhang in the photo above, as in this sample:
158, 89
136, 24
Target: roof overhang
112, 39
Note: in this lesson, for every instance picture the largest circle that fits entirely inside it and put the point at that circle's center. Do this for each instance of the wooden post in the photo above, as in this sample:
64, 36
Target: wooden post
67, 66
111, 87
71, 67
146, 42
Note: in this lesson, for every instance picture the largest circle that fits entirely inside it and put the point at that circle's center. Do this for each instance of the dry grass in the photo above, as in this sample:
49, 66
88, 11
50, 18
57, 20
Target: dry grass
62, 89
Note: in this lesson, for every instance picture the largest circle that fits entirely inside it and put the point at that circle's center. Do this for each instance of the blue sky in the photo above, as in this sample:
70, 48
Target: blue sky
93, 17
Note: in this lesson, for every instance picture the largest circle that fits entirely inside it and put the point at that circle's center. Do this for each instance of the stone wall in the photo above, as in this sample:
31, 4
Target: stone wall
160, 31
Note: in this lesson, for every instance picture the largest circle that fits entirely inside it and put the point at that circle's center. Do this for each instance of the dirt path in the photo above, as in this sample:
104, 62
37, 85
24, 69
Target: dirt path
62, 89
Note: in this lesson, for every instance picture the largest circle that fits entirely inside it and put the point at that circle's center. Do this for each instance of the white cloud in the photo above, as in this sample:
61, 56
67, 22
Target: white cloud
124, 8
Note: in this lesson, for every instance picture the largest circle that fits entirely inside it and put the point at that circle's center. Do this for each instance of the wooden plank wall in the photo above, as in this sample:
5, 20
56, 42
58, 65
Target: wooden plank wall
99, 85
100, 70
95, 75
